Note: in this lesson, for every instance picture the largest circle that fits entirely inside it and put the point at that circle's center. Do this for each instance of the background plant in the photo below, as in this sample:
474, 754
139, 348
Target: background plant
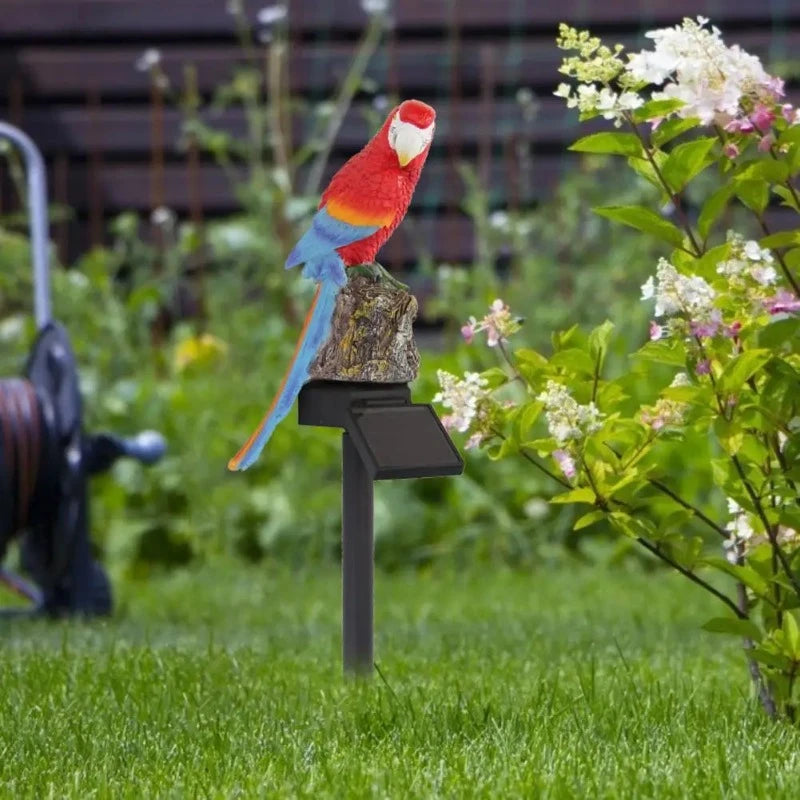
722, 367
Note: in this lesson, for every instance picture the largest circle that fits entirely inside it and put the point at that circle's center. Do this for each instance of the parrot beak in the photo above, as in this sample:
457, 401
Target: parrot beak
409, 144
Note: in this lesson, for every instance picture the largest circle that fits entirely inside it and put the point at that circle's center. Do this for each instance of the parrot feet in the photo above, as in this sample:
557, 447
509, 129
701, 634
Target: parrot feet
377, 273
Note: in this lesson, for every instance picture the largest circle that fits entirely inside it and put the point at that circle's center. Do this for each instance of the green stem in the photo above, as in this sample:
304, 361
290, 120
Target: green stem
689, 507
687, 573
350, 86
787, 273
771, 534
673, 196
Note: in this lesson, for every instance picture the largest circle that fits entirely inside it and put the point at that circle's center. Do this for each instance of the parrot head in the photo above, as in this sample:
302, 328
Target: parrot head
410, 130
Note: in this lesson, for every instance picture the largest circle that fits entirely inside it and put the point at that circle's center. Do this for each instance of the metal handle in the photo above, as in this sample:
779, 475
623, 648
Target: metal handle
37, 209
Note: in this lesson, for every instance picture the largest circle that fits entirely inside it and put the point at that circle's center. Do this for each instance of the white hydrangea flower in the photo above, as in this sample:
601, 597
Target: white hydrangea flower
163, 217
675, 293
373, 7
748, 258
499, 220
149, 59
567, 420
709, 77
271, 14
462, 396
681, 379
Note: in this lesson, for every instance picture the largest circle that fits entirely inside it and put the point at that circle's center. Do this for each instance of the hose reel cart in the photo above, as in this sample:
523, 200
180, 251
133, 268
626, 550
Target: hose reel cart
46, 458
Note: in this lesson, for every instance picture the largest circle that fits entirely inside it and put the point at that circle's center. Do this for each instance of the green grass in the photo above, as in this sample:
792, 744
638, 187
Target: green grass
227, 683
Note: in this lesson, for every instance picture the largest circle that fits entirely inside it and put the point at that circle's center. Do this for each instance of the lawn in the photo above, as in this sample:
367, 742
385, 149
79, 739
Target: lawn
226, 683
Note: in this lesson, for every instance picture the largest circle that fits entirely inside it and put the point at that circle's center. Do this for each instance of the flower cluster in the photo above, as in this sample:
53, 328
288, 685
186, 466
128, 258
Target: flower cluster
590, 100
567, 420
689, 63
744, 534
595, 64
747, 260
677, 294
595, 61
469, 402
715, 83
666, 413
498, 324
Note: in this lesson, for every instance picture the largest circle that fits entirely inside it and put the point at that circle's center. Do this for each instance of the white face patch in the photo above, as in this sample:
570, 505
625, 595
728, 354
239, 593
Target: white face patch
407, 140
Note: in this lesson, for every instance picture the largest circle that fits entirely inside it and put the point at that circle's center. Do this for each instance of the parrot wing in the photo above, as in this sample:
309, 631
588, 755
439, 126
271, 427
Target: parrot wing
327, 233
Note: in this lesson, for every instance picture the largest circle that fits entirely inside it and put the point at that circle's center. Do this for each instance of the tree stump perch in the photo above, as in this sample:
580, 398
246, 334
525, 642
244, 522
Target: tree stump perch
371, 335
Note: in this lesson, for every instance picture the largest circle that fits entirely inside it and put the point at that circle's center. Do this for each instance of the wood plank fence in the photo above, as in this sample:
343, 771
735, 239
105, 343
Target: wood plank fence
67, 76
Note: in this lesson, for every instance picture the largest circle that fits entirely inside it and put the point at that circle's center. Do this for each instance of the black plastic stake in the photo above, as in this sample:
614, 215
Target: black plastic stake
358, 548
386, 437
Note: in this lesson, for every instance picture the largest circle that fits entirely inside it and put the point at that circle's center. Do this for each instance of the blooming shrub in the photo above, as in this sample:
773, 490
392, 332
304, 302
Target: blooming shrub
721, 360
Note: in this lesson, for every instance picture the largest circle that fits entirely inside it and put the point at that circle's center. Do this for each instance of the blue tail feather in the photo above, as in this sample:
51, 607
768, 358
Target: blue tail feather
315, 333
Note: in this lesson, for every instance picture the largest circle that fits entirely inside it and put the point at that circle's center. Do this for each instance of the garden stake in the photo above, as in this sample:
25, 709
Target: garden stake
386, 436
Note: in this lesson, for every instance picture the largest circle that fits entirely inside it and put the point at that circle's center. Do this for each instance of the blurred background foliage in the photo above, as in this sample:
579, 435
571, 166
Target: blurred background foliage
198, 353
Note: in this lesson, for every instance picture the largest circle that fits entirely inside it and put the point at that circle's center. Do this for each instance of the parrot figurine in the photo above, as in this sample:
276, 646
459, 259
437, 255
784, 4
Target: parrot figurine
364, 203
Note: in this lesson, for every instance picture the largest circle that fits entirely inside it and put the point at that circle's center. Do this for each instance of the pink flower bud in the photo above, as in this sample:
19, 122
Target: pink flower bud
766, 143
775, 86
656, 331
703, 367
787, 109
566, 463
762, 117
468, 332
732, 331
783, 302
739, 126
730, 150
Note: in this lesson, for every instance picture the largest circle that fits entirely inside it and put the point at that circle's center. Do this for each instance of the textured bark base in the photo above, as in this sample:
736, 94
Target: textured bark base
371, 335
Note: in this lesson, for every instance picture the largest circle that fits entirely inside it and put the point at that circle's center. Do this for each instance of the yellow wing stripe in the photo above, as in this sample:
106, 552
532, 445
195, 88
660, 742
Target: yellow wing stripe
353, 216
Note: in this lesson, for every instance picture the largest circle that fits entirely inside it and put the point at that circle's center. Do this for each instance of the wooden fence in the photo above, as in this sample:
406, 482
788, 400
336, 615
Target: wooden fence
67, 76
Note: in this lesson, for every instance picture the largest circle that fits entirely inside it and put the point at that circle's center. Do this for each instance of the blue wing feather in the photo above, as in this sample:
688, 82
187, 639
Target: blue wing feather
315, 333
324, 236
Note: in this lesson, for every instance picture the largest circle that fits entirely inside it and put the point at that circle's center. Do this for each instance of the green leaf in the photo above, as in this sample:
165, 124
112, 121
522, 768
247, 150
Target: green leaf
528, 417
506, 448
741, 368
599, 339
754, 194
642, 167
713, 208
686, 161
791, 634
645, 220
729, 434
588, 519
770, 659
668, 130
530, 358
573, 360
628, 525
786, 195
658, 108
790, 136
781, 239
609, 143
738, 627
579, 495
767, 170
669, 351
495, 377
747, 575
779, 331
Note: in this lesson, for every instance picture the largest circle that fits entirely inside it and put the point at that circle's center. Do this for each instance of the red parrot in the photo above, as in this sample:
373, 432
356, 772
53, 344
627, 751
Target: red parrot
364, 203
